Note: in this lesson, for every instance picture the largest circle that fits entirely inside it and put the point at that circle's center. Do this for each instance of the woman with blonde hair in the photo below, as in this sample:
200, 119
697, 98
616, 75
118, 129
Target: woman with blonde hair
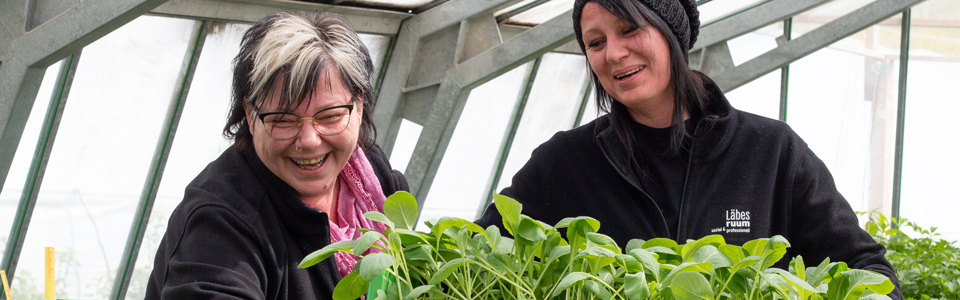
301, 172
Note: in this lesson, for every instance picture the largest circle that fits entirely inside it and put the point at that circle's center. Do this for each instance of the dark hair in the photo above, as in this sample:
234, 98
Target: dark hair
690, 95
298, 50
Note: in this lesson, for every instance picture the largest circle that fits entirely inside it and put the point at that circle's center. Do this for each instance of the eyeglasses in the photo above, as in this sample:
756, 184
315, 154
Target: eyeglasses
285, 126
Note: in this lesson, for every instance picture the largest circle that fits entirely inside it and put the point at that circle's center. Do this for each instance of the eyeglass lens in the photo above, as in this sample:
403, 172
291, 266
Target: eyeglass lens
328, 122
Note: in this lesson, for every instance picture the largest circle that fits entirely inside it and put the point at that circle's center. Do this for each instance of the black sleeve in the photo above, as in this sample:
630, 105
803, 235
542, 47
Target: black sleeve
217, 256
391, 180
824, 224
526, 187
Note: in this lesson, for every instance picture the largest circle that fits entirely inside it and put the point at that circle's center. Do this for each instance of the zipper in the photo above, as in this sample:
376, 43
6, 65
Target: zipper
637, 186
686, 177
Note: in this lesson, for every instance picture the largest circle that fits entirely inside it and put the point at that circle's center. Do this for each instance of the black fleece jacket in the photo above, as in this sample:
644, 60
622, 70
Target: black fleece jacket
749, 177
240, 233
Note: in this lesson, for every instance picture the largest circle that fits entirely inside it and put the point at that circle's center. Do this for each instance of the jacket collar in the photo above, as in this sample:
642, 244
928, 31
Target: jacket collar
712, 134
297, 217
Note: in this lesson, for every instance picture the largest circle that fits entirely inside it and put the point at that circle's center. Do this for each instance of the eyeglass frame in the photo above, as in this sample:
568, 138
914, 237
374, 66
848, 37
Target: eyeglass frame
349, 108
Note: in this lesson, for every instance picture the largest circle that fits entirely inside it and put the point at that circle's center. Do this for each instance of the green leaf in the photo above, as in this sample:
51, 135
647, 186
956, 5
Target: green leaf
635, 286
755, 247
690, 248
415, 293
569, 280
661, 249
793, 280
530, 231
372, 265
821, 273
362, 244
595, 251
704, 268
448, 268
597, 290
668, 243
648, 260
631, 264
379, 217
691, 286
323, 253
603, 241
634, 244
710, 254
735, 253
401, 209
510, 212
493, 236
797, 268
350, 287
419, 252
853, 283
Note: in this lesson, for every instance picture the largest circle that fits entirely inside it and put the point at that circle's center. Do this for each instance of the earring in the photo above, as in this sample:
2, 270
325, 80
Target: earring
299, 149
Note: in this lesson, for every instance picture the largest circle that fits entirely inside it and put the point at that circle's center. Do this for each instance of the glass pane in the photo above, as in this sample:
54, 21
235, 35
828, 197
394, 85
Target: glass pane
514, 7
542, 13
465, 172
20, 166
199, 139
103, 150
407, 137
929, 151
377, 45
823, 14
590, 111
761, 96
842, 100
750, 45
552, 107
394, 3
717, 9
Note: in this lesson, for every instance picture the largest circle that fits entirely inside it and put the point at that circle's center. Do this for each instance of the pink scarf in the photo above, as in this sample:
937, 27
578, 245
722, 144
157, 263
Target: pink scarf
360, 192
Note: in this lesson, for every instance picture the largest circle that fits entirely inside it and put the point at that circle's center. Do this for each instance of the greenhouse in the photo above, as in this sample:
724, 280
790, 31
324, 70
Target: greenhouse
109, 109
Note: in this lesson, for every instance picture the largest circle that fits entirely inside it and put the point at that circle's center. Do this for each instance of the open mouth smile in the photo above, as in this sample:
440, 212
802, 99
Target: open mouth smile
629, 73
310, 164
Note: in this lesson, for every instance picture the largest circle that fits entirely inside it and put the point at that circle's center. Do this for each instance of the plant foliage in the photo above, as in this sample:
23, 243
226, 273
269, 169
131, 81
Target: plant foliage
458, 259
927, 267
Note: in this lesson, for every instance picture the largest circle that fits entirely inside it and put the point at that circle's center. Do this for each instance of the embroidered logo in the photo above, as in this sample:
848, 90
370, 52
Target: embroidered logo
737, 221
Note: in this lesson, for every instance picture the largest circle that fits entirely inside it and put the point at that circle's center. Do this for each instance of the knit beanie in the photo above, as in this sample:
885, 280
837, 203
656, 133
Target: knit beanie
681, 15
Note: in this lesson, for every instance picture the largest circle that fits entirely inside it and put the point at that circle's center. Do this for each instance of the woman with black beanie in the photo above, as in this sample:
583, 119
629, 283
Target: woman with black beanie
672, 158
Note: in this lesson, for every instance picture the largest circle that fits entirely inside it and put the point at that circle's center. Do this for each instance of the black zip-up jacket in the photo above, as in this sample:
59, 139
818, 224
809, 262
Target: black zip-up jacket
240, 233
748, 177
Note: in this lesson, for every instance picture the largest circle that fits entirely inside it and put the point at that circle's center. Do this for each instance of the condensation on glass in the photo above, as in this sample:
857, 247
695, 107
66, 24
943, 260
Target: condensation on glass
843, 103
198, 141
123, 86
552, 106
471, 158
20, 167
930, 162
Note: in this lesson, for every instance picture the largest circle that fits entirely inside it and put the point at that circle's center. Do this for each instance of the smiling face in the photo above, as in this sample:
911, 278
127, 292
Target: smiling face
632, 64
313, 170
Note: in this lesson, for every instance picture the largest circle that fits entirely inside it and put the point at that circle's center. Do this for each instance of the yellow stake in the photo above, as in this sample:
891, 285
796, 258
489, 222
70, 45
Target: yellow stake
6, 287
50, 293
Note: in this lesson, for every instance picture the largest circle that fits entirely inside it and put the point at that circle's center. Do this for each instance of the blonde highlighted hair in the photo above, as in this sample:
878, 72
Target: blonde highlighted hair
296, 49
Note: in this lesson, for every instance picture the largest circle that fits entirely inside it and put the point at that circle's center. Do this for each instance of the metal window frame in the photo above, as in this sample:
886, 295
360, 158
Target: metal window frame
161, 154
901, 112
38, 165
511, 134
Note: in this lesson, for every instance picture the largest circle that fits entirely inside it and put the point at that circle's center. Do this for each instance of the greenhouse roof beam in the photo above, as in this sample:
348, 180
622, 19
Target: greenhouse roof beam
792, 50
753, 19
27, 50
364, 20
